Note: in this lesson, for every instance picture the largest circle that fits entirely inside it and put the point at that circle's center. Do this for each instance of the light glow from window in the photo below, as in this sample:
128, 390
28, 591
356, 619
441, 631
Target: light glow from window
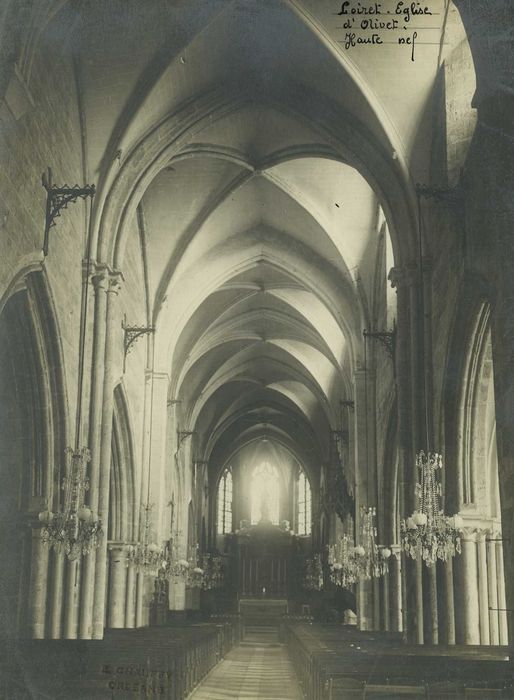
265, 493
225, 503
304, 505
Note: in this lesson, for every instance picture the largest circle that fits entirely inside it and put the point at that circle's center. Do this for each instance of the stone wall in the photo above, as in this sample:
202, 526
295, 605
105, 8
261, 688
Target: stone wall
47, 134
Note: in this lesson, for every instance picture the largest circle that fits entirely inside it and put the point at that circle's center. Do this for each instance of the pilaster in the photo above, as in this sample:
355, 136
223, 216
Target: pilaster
117, 584
112, 291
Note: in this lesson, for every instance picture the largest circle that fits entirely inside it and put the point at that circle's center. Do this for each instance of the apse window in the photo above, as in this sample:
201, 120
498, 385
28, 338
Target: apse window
265, 493
225, 503
304, 505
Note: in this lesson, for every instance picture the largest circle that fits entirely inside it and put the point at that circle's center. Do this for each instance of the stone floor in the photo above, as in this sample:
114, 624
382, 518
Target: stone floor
252, 671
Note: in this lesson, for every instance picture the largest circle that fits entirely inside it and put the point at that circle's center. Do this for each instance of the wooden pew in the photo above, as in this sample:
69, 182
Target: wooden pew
165, 662
330, 657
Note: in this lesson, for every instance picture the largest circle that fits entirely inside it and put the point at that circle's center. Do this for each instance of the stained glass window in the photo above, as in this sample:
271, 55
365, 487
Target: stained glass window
304, 505
225, 503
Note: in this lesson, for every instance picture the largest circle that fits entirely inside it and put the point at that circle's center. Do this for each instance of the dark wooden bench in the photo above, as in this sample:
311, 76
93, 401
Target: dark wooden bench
167, 662
334, 661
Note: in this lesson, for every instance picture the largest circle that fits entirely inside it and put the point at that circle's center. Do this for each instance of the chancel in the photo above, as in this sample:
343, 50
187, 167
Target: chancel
256, 349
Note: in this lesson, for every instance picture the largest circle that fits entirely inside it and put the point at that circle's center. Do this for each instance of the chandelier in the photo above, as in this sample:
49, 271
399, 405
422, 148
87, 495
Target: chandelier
428, 533
175, 565
212, 565
146, 556
313, 575
344, 562
74, 529
373, 559
195, 573
349, 563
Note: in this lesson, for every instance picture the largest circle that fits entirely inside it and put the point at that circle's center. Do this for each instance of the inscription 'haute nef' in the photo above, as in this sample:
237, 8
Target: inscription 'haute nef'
372, 17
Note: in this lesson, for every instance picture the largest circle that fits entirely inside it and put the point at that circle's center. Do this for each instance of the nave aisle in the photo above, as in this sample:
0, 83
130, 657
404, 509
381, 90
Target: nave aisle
252, 672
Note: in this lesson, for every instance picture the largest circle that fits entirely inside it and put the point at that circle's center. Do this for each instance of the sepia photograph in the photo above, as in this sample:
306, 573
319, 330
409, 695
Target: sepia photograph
256, 349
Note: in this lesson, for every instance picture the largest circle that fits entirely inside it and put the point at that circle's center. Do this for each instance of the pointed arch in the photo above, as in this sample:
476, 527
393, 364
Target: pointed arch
33, 436
123, 510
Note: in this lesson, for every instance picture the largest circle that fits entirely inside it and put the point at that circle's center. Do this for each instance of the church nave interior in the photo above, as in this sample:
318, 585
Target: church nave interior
257, 351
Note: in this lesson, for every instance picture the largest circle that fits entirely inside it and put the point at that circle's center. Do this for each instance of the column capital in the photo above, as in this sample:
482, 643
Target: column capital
397, 277
359, 373
103, 276
408, 275
118, 548
468, 534
98, 273
115, 279
481, 535
396, 550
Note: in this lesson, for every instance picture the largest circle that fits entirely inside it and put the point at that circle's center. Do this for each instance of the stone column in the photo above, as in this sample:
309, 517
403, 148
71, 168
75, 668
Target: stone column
450, 602
416, 376
502, 327
399, 281
117, 584
38, 584
418, 615
502, 602
408, 382
130, 606
364, 588
158, 465
386, 607
492, 589
376, 602
483, 595
57, 595
71, 608
140, 592
395, 586
112, 325
469, 592
100, 282
432, 633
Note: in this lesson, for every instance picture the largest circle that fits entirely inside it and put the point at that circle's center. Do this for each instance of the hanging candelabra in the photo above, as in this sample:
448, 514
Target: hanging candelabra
369, 559
146, 556
428, 533
73, 530
350, 564
373, 559
313, 574
212, 565
195, 573
175, 565
343, 561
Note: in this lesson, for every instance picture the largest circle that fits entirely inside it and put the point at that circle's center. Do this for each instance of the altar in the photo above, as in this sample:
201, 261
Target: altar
266, 562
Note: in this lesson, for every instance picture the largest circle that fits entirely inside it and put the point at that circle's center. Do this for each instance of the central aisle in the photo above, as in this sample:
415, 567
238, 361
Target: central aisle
252, 671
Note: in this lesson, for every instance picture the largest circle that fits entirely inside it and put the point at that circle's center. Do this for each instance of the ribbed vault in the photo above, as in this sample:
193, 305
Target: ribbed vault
261, 186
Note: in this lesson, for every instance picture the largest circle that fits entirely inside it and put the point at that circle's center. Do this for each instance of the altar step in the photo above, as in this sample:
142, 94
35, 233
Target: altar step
261, 620
261, 634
